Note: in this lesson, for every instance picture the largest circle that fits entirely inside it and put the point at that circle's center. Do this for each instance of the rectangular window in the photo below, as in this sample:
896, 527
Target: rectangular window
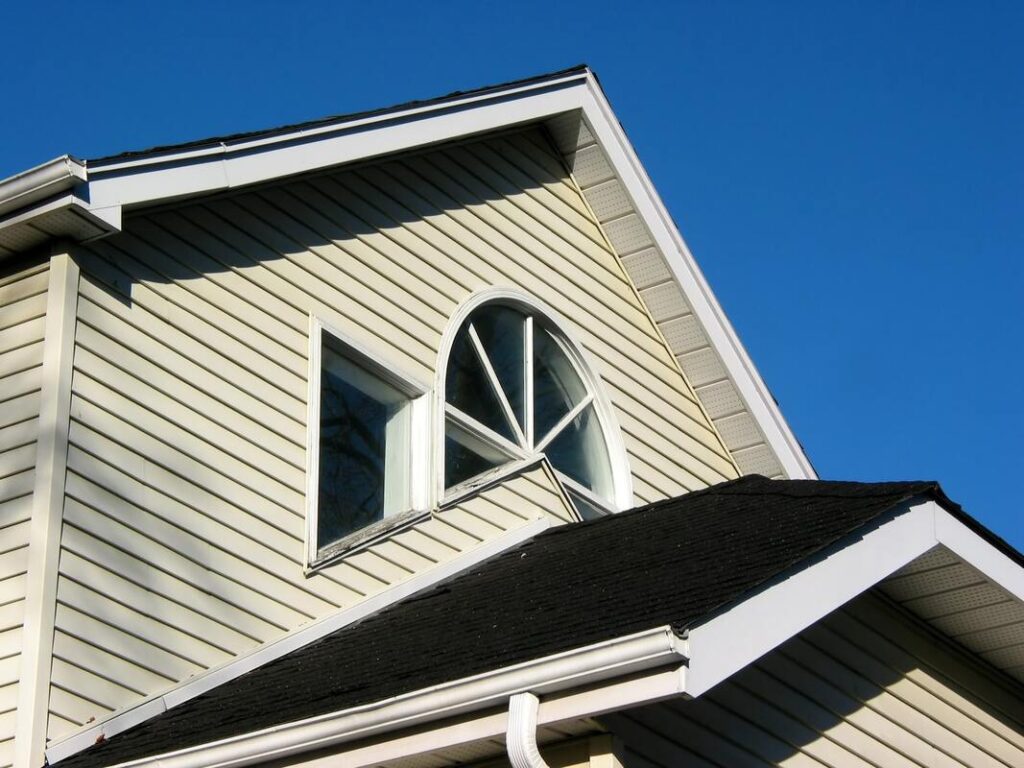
363, 458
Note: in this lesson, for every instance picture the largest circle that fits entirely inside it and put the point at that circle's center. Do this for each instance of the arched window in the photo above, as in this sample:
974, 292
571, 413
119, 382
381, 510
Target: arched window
515, 387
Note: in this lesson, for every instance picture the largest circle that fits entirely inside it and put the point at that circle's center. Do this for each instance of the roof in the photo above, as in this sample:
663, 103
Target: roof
67, 201
675, 562
306, 125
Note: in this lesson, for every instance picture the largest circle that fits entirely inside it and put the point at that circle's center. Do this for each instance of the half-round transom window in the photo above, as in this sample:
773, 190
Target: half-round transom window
515, 388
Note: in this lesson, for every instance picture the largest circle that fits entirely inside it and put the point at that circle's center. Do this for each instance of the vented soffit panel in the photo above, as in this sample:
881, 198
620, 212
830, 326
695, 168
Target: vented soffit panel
647, 266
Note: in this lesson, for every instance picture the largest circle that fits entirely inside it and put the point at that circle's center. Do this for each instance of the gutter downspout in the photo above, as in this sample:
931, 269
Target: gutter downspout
521, 735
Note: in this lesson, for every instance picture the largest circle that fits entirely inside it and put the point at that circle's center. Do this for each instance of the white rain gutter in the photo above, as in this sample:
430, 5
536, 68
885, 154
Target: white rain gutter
521, 735
43, 181
293, 641
592, 664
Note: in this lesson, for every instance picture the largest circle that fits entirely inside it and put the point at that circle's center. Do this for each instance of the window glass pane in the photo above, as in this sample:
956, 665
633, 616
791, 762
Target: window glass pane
501, 331
587, 509
468, 387
466, 456
364, 449
556, 385
580, 452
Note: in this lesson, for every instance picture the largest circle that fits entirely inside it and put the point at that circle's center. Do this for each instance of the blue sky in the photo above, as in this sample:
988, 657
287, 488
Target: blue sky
848, 175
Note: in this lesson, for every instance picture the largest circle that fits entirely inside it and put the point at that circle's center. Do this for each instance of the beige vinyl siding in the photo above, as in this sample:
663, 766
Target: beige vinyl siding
184, 523
23, 291
127, 628
867, 686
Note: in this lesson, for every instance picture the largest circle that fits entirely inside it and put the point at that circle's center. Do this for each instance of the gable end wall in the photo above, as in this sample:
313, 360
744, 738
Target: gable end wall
183, 535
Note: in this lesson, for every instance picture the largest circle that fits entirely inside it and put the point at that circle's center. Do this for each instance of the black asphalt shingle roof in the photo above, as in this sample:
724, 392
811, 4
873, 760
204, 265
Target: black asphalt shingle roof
674, 562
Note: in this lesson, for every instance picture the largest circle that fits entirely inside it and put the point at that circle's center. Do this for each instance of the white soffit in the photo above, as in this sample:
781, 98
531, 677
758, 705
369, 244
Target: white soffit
677, 295
920, 555
604, 164
64, 216
965, 604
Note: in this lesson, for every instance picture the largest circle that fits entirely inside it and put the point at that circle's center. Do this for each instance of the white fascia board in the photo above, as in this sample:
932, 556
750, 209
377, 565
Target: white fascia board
149, 180
264, 654
612, 660
624, 161
743, 633
983, 556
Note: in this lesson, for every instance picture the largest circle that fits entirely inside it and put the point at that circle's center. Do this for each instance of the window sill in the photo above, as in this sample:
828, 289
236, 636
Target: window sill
365, 537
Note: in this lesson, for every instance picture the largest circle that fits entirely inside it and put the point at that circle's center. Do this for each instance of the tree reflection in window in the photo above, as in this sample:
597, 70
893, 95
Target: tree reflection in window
363, 448
512, 391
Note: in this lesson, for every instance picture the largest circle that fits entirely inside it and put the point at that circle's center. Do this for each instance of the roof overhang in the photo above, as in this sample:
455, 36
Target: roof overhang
46, 203
640, 668
573, 107
648, 666
908, 537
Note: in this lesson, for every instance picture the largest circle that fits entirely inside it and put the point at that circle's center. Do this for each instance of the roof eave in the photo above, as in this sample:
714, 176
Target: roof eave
730, 639
623, 672
150, 179
45, 180
724, 339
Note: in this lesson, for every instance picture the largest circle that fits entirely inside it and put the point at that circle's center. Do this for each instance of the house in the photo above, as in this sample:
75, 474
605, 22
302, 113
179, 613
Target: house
416, 438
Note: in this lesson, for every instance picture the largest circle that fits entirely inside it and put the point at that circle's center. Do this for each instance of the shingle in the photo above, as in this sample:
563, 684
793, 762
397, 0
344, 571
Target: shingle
673, 562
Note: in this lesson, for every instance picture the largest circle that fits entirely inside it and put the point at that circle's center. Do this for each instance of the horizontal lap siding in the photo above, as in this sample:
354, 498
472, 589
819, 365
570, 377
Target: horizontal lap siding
184, 524
23, 292
864, 687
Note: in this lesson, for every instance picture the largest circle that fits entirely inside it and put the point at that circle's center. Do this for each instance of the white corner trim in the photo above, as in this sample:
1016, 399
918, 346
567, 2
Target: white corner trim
264, 654
648, 204
609, 660
746, 631
47, 511
521, 734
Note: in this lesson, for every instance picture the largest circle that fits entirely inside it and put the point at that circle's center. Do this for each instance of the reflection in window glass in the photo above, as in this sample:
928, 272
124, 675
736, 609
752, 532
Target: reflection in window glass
466, 456
502, 334
579, 451
364, 449
468, 387
531, 401
556, 385
588, 510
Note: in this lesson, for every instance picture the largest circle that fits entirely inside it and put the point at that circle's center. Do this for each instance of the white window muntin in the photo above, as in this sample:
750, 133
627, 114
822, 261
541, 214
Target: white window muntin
621, 496
415, 492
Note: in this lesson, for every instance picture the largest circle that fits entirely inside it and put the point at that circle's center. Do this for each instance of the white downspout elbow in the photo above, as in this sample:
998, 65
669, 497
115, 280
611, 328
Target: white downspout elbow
521, 735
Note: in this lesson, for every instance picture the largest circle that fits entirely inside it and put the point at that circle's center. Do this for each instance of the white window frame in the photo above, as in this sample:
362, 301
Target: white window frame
621, 475
419, 444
